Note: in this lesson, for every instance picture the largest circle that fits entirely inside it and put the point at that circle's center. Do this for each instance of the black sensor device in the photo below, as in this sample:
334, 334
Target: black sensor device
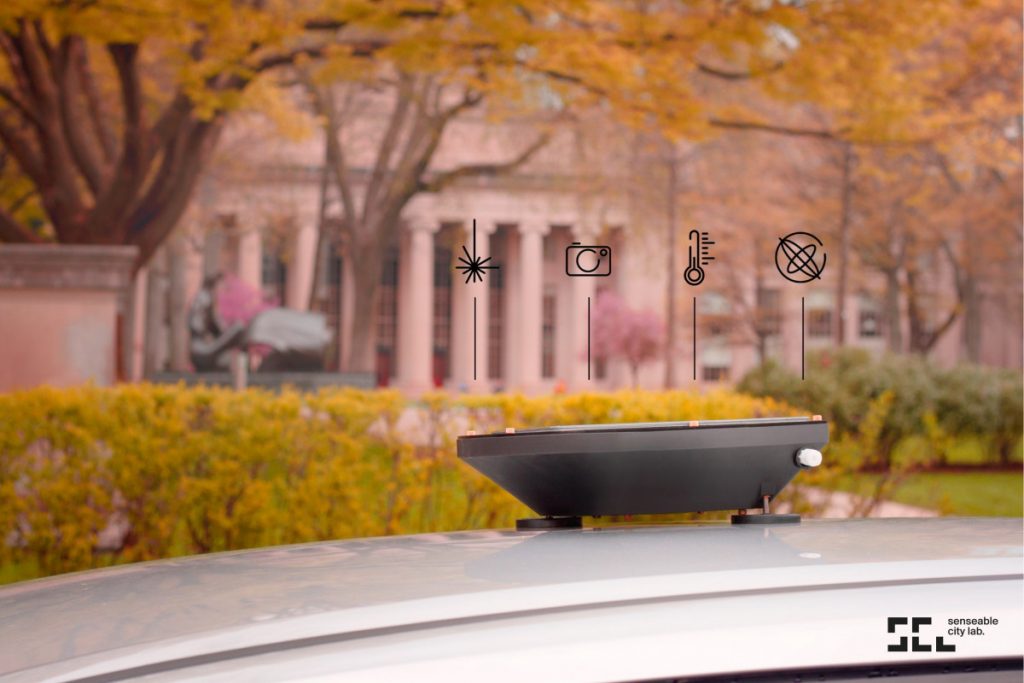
565, 473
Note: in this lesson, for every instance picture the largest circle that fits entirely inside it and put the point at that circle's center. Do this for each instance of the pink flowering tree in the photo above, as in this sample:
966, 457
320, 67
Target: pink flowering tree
620, 332
239, 302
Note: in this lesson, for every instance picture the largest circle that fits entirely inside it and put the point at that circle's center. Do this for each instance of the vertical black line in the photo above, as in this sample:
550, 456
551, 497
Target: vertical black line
803, 356
695, 338
474, 238
474, 328
588, 337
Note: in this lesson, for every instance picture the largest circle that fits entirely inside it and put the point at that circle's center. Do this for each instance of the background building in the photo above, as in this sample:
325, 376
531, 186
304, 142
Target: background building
258, 216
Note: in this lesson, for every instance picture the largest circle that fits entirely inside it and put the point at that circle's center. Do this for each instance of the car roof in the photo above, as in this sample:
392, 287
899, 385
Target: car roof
173, 609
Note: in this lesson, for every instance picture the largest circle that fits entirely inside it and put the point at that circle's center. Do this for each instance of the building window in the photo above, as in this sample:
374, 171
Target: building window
715, 373
769, 312
495, 323
274, 277
714, 313
550, 245
442, 314
547, 358
819, 323
870, 324
717, 325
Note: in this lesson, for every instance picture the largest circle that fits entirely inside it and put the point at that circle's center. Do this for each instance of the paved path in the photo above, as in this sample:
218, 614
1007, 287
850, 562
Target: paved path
842, 504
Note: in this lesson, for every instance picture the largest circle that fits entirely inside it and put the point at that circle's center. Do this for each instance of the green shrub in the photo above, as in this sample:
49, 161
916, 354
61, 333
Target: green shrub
927, 401
91, 476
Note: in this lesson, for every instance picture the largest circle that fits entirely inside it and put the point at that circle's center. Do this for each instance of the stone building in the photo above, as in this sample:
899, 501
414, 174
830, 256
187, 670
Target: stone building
257, 216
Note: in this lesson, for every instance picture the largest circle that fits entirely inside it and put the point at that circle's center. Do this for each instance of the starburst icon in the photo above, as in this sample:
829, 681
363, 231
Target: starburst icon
473, 266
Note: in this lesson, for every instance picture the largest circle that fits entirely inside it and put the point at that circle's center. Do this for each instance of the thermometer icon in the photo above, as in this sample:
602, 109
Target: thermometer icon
700, 256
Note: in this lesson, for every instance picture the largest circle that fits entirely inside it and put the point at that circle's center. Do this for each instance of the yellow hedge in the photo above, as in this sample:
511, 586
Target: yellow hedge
91, 476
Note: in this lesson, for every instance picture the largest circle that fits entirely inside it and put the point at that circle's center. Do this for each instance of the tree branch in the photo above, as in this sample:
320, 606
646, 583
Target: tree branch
29, 160
62, 190
83, 148
154, 217
936, 334
440, 181
771, 128
396, 122
335, 152
737, 75
13, 231
16, 64
15, 101
100, 121
130, 170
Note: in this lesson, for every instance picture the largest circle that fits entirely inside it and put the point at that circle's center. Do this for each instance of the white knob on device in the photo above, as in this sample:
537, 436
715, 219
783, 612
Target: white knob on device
807, 458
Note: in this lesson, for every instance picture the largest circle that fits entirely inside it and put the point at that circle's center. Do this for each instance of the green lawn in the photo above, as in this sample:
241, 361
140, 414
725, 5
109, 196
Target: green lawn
994, 494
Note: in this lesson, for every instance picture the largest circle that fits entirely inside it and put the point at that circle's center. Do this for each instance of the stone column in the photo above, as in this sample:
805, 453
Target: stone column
184, 278
302, 264
531, 300
157, 337
415, 325
249, 259
464, 374
582, 288
346, 317
137, 337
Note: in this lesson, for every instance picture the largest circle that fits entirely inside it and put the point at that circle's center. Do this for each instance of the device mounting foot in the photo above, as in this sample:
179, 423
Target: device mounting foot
541, 523
769, 518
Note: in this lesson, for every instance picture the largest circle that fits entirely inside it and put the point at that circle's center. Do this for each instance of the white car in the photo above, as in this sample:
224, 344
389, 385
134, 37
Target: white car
821, 598
927, 599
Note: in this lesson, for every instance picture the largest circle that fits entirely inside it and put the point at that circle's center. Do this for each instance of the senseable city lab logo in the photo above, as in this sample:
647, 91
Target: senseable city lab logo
916, 633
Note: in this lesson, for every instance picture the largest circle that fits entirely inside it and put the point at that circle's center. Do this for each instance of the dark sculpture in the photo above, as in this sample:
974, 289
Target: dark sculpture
296, 339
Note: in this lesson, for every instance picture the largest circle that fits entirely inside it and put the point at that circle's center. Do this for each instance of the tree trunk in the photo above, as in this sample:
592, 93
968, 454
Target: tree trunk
762, 348
317, 293
893, 321
412, 135
842, 285
670, 317
972, 319
366, 267
915, 320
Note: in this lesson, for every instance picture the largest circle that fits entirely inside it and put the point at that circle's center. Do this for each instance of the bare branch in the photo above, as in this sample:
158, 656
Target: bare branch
155, 215
83, 148
100, 120
709, 70
29, 159
440, 181
13, 231
778, 130
335, 156
15, 101
403, 100
20, 201
16, 64
130, 170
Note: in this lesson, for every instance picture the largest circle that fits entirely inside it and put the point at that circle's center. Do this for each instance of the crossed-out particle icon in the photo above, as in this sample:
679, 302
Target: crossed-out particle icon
798, 257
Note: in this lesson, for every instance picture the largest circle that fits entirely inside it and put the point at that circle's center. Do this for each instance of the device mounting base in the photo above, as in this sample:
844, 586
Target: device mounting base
769, 518
541, 523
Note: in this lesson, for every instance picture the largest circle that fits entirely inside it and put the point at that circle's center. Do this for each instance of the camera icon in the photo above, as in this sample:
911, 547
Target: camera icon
586, 260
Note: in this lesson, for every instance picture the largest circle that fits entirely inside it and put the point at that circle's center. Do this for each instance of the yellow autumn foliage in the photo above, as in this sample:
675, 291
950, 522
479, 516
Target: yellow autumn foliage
92, 476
